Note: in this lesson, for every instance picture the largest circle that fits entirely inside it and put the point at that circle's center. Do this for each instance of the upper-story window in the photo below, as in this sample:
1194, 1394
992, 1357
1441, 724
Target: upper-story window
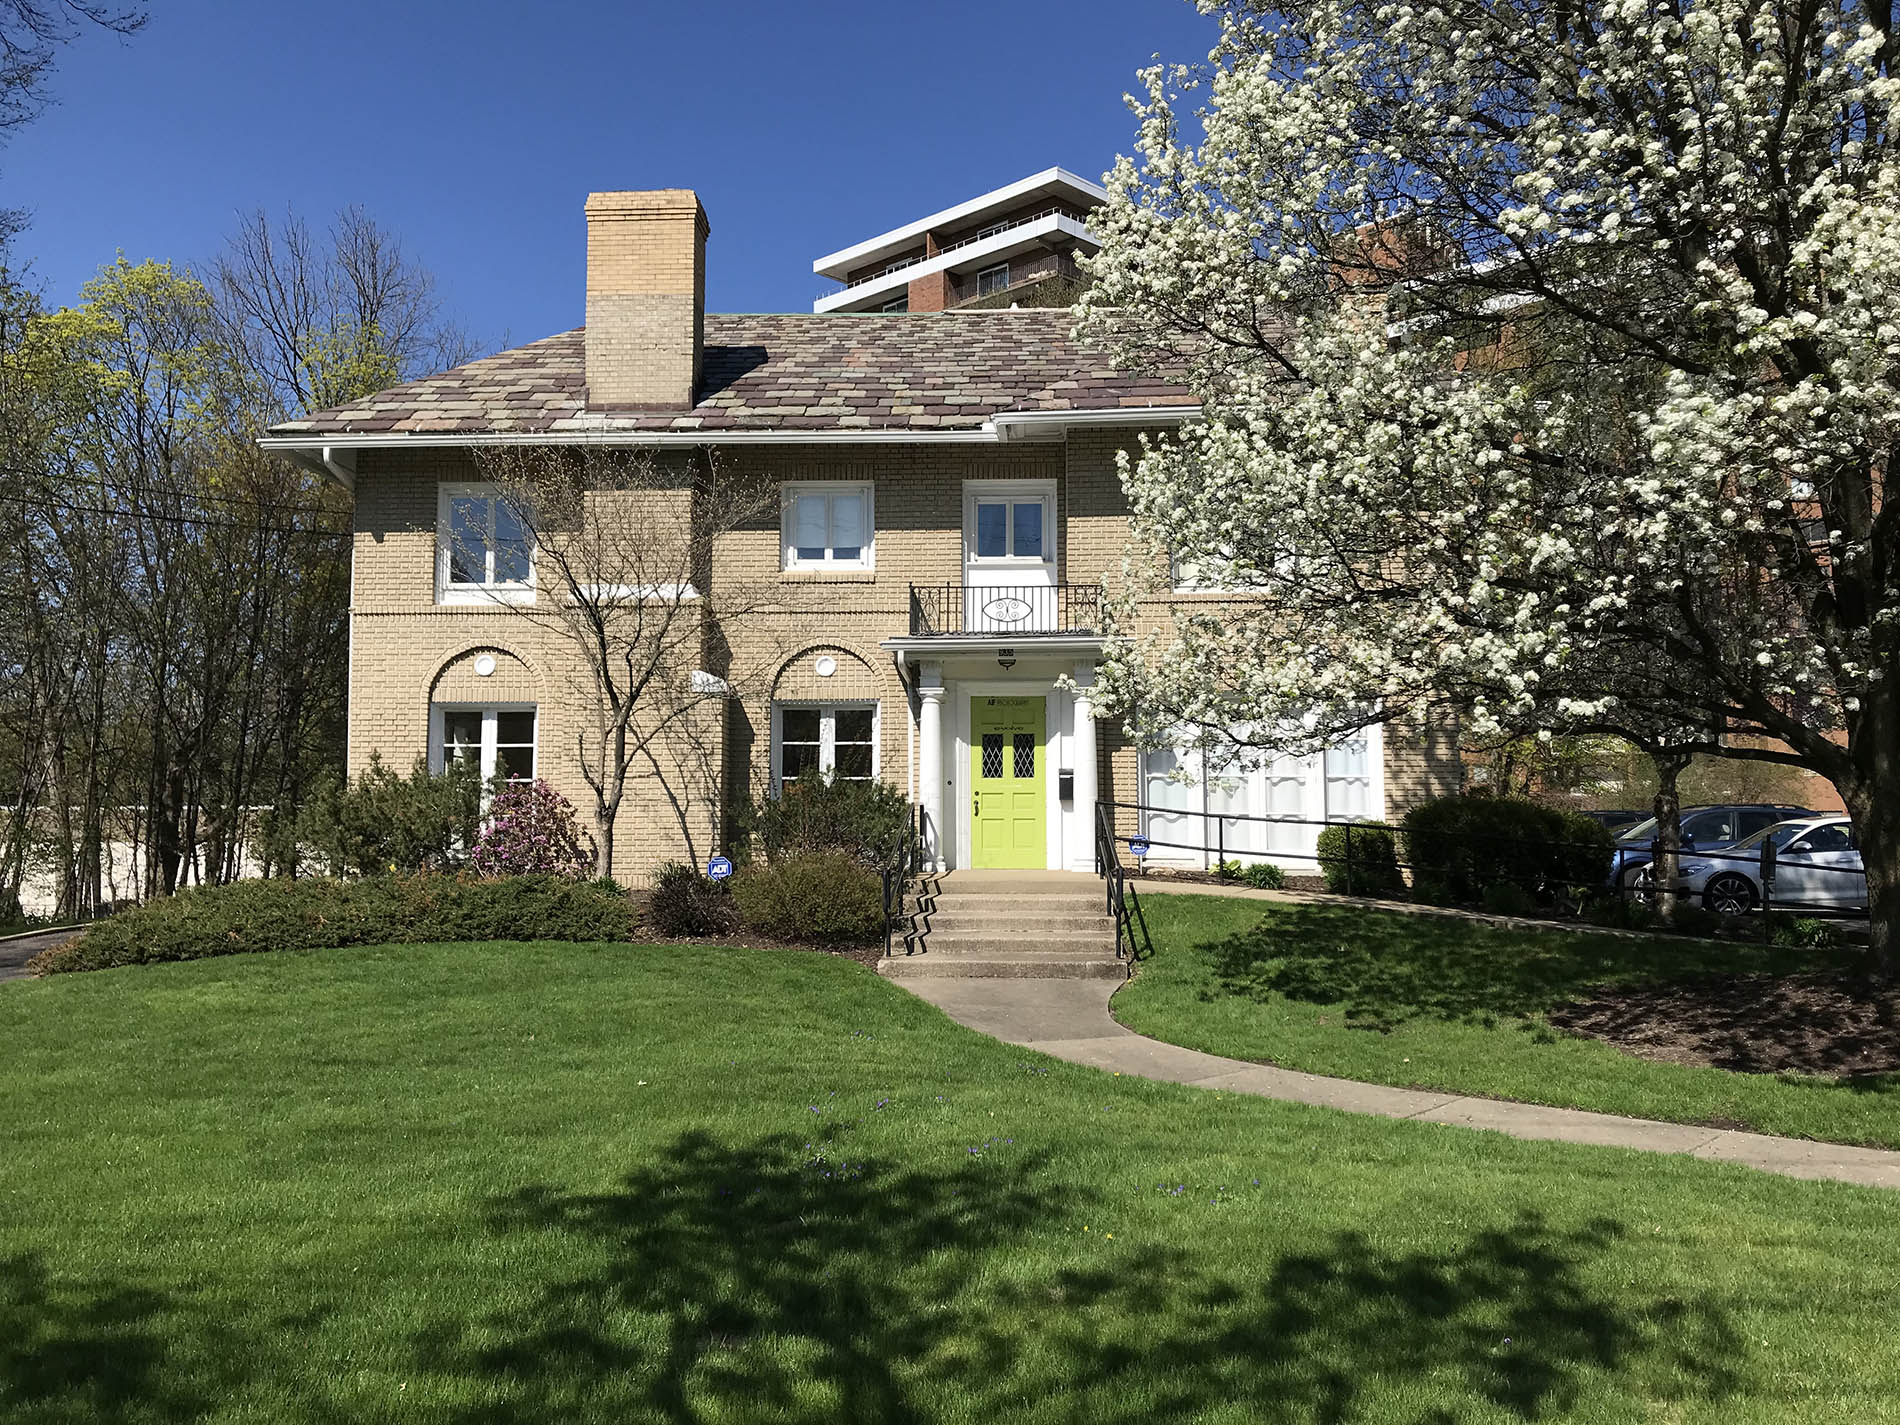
992, 279
897, 304
484, 553
1008, 526
827, 526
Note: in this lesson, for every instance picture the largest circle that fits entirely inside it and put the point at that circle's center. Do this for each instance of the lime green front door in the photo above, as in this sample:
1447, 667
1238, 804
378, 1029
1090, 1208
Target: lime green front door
1007, 753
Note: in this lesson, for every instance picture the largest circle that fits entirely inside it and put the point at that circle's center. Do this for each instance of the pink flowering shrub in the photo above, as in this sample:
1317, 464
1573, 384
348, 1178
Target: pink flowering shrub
531, 831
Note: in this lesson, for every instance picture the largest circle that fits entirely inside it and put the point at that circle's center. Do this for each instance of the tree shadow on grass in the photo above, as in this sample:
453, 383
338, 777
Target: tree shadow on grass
775, 1281
1387, 969
87, 1351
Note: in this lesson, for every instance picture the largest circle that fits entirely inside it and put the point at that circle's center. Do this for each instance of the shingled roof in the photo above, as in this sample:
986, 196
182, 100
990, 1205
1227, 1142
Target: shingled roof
789, 372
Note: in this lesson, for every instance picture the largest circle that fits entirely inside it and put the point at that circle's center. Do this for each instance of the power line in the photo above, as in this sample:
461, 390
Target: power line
67, 507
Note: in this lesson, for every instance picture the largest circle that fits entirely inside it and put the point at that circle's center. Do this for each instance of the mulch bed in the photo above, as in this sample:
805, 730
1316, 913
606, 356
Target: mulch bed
1827, 1022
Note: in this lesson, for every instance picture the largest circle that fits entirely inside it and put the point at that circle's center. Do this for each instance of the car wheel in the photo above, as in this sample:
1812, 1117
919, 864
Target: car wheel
1730, 895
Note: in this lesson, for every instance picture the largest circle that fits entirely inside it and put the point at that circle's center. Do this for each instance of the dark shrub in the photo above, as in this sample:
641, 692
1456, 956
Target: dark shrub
1504, 898
824, 896
1458, 846
1803, 933
1265, 876
686, 903
862, 819
383, 823
317, 912
1613, 912
1694, 920
1375, 860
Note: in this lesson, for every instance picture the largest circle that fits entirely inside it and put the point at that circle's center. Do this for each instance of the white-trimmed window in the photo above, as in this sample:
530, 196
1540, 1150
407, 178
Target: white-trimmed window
483, 551
827, 525
992, 279
837, 739
1258, 806
496, 739
1005, 526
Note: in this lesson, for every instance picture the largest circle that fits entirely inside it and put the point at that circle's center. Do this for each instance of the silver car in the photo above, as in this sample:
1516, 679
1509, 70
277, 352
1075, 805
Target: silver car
1817, 866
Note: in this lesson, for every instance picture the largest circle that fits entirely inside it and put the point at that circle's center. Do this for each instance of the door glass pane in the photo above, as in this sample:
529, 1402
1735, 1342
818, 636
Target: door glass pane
853, 761
511, 545
515, 727
847, 526
992, 755
1025, 755
992, 531
468, 541
515, 763
854, 725
809, 526
1028, 532
800, 724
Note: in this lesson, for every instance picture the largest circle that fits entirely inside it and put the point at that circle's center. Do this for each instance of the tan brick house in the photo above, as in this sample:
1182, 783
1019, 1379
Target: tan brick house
948, 517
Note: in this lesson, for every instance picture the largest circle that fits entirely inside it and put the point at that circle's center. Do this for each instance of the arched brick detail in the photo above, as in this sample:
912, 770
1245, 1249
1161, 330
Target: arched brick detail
856, 679
514, 680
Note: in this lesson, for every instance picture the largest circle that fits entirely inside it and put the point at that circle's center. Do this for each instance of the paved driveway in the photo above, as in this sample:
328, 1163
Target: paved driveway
17, 950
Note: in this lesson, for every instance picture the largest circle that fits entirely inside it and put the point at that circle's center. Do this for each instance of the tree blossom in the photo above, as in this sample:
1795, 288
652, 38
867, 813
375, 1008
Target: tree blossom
1549, 366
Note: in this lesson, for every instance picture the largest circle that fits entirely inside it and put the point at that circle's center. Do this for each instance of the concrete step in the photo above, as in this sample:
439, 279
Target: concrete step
1002, 967
980, 942
1019, 882
1032, 923
984, 903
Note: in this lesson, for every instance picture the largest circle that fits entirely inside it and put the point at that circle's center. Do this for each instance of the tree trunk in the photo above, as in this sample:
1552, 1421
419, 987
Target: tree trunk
1666, 869
1874, 805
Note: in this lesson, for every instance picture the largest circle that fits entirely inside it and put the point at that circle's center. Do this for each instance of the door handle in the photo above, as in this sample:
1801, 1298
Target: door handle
976, 804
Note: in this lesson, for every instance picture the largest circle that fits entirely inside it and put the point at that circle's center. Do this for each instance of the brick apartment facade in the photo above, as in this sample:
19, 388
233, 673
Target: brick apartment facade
948, 522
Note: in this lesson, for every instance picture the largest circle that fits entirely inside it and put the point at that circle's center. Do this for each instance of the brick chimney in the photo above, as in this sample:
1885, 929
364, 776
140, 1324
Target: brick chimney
646, 297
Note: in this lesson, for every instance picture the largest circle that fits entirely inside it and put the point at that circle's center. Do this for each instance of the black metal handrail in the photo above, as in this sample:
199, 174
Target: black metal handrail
1124, 902
905, 860
1004, 610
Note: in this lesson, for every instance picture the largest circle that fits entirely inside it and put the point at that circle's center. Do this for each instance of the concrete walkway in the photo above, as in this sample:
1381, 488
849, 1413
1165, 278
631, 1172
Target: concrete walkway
1069, 1019
16, 950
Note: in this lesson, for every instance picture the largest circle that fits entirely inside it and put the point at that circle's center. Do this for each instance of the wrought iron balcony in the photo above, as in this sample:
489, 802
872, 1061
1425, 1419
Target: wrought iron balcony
1005, 610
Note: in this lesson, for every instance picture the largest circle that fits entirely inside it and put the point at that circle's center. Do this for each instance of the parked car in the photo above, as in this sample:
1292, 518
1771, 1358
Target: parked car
1706, 828
1817, 867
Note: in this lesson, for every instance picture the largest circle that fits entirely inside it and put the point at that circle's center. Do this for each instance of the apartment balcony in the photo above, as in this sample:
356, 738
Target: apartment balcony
1005, 611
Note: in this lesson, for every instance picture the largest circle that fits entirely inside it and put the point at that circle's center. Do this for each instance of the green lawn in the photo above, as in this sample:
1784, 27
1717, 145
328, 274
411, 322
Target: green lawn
1394, 998
557, 1183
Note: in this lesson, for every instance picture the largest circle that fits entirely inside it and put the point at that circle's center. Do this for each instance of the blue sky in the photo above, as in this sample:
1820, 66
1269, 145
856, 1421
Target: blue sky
475, 130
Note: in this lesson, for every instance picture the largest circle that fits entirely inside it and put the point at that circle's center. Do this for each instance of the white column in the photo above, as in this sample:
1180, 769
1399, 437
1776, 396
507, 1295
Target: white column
930, 760
1082, 856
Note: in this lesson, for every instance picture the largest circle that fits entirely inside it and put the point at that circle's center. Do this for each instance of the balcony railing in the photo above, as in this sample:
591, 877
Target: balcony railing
993, 230
1004, 611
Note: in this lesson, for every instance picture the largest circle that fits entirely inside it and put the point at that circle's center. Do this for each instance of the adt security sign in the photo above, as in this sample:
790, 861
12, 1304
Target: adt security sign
1138, 846
718, 868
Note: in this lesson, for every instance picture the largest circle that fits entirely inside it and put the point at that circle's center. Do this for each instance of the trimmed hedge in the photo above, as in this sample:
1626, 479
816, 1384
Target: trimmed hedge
318, 913
1375, 860
1460, 847
826, 896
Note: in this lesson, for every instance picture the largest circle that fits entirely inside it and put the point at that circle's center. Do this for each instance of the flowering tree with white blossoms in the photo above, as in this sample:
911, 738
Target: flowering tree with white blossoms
1550, 361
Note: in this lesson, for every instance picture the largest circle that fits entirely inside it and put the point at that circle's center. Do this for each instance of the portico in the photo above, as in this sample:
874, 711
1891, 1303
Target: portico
1007, 755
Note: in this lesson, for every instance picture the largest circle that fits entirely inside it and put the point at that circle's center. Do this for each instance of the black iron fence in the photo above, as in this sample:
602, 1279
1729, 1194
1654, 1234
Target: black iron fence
1004, 610
1731, 882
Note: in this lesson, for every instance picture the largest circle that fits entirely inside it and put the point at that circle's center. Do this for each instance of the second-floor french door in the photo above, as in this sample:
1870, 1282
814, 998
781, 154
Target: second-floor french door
1009, 556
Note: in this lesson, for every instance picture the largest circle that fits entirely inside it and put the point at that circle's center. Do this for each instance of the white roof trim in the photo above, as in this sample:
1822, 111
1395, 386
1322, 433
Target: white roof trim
845, 258
991, 432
